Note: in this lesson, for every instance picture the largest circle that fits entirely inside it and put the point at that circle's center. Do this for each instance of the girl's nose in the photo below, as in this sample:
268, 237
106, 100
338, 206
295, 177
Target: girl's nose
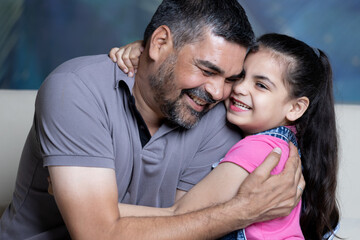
241, 87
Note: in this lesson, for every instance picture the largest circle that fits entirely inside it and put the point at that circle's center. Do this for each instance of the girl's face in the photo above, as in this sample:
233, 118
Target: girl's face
260, 100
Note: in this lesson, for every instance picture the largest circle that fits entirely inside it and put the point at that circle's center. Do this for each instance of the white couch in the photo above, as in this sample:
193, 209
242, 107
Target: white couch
16, 114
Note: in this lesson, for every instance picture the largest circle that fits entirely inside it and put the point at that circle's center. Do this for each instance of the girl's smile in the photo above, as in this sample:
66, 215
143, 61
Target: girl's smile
237, 105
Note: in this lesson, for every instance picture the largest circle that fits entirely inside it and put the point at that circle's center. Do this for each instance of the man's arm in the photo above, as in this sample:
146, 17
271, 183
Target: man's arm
87, 199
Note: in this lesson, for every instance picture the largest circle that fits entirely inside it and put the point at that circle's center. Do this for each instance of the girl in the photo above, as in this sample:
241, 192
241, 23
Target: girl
285, 95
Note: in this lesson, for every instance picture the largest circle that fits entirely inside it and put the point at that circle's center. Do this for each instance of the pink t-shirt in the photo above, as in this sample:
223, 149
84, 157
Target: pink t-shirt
249, 153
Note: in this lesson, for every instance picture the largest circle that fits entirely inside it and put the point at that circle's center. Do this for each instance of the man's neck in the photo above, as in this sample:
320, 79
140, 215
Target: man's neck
151, 118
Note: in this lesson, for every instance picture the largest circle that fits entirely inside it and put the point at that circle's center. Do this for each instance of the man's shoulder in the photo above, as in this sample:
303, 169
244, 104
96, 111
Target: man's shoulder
215, 115
96, 73
85, 62
88, 77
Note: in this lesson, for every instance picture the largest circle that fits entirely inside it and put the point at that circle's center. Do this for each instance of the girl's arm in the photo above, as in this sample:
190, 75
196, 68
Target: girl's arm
219, 186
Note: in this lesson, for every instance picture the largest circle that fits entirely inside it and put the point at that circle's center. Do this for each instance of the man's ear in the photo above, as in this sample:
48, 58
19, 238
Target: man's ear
161, 43
297, 109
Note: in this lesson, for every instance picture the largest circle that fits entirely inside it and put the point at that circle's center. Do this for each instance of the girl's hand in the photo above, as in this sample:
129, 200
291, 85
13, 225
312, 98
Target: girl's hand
127, 57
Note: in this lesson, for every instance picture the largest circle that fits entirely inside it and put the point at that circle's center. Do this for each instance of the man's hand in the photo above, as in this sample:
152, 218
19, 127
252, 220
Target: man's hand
271, 196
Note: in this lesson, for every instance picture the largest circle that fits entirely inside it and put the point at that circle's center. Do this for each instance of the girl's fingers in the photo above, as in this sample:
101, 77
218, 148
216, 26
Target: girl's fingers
120, 61
112, 54
127, 57
127, 61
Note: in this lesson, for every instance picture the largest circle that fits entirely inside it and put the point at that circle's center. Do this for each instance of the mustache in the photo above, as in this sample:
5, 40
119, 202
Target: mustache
200, 93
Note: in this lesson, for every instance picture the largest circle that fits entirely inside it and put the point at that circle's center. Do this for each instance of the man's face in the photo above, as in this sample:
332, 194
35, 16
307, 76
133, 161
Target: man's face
193, 80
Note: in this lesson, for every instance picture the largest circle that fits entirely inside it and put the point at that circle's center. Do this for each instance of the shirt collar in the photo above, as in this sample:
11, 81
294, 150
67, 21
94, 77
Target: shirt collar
121, 76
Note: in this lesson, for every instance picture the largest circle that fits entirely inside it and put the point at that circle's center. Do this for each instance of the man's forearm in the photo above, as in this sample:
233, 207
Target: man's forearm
208, 223
130, 210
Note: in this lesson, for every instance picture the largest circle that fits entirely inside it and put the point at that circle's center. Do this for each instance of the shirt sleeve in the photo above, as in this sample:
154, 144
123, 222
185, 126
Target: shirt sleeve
71, 125
250, 152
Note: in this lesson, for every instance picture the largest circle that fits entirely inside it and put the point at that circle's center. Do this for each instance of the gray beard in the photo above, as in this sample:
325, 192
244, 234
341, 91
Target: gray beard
174, 110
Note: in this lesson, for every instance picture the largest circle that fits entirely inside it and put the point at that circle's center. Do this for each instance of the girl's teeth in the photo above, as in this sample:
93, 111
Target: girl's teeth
240, 105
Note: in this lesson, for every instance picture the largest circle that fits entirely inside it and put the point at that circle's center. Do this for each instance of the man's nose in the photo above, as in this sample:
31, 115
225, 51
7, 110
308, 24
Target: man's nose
215, 88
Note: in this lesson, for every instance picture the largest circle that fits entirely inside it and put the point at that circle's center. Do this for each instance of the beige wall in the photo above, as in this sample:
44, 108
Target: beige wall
16, 113
348, 120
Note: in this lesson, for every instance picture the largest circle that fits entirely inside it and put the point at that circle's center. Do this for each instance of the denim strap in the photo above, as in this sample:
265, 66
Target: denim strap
283, 133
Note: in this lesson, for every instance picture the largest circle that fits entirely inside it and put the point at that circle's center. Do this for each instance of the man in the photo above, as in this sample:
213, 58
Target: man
106, 138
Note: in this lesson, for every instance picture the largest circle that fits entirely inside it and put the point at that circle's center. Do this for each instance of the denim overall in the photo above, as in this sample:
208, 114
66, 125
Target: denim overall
287, 135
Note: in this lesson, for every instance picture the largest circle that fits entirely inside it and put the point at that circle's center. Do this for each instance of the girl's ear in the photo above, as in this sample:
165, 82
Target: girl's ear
297, 109
161, 43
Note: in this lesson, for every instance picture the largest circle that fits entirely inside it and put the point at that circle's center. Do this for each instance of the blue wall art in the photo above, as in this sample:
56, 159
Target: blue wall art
38, 35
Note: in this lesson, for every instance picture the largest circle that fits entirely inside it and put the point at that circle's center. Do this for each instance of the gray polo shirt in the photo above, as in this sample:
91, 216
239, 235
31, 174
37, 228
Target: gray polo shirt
83, 118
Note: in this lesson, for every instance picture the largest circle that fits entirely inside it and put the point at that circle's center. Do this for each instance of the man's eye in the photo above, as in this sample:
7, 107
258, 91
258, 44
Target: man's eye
232, 80
261, 85
207, 73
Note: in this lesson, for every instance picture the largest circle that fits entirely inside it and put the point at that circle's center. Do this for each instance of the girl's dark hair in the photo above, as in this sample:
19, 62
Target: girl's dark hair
309, 74
188, 21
